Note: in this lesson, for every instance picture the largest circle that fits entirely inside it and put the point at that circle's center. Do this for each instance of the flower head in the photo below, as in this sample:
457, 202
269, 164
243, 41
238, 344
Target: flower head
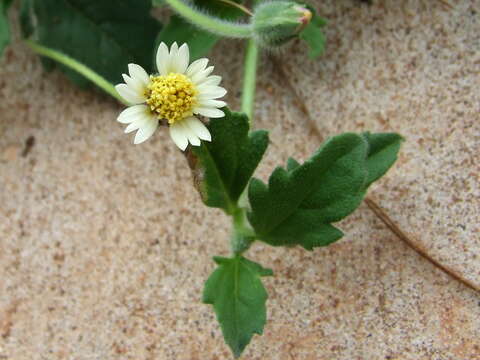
174, 96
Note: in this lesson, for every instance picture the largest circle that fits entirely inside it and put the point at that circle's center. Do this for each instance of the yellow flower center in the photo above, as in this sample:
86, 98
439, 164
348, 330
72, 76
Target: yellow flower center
171, 97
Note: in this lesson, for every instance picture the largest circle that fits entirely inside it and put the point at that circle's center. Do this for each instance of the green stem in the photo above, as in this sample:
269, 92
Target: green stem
243, 235
75, 65
250, 79
210, 23
248, 92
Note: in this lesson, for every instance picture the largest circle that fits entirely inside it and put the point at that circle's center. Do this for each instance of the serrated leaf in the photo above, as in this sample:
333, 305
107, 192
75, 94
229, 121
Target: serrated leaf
103, 36
4, 26
227, 163
382, 153
238, 297
313, 35
298, 205
199, 41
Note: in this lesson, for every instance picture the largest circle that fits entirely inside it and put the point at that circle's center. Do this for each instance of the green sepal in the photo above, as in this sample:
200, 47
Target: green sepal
103, 37
313, 34
223, 167
274, 23
238, 297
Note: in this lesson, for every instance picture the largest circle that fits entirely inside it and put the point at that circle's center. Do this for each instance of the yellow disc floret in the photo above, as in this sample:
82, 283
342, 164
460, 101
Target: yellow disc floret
171, 97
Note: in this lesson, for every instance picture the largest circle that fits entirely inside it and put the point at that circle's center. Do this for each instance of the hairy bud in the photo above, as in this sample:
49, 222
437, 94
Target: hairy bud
276, 22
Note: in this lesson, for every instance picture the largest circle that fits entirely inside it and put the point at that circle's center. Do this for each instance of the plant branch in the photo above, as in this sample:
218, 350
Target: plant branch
91, 75
210, 23
242, 233
250, 79
377, 210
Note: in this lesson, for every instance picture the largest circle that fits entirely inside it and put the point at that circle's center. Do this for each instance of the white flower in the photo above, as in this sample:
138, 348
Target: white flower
175, 95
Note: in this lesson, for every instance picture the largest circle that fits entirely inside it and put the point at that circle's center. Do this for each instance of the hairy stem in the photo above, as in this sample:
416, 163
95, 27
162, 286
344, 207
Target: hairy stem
250, 79
75, 65
242, 233
210, 23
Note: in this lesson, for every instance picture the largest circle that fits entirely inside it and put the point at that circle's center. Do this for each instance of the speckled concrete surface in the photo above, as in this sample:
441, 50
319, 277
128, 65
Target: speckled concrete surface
412, 67
105, 246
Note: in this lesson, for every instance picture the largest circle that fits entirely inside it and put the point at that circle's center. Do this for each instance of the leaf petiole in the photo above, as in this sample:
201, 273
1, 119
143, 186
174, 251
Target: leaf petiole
243, 235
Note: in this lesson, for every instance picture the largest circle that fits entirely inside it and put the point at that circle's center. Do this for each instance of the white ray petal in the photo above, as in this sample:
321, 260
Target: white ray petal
198, 128
209, 112
138, 123
192, 137
178, 136
211, 80
196, 66
129, 95
135, 85
145, 132
207, 89
180, 63
139, 73
162, 59
211, 103
201, 75
172, 61
212, 93
131, 113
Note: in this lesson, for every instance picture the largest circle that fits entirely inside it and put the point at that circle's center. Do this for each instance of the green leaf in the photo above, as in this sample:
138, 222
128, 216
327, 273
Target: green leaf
199, 41
26, 18
298, 205
238, 297
313, 35
4, 26
382, 153
227, 163
101, 35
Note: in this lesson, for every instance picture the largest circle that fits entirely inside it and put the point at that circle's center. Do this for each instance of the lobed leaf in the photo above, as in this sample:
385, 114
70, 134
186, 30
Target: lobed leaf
382, 153
300, 202
238, 297
227, 163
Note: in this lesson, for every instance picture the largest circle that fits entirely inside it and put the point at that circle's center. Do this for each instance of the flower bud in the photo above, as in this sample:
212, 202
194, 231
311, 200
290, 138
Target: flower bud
276, 22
